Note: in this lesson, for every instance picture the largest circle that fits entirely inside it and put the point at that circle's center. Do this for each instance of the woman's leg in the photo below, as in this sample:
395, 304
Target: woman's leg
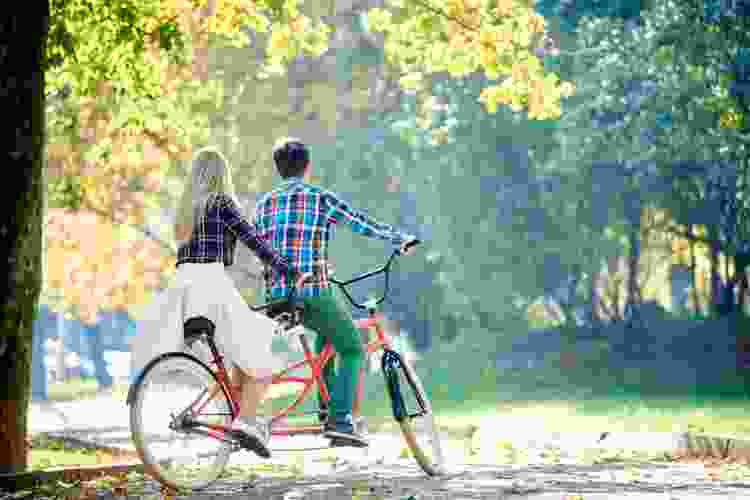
252, 390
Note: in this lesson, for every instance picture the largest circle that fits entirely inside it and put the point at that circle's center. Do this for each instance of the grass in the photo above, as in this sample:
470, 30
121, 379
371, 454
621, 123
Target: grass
48, 453
648, 415
80, 388
45, 459
481, 404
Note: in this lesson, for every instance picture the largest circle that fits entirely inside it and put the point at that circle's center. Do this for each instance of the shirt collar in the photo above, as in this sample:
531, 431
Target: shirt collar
292, 180
289, 181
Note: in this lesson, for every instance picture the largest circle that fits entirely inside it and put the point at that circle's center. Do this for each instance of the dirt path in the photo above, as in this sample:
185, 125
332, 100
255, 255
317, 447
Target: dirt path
648, 481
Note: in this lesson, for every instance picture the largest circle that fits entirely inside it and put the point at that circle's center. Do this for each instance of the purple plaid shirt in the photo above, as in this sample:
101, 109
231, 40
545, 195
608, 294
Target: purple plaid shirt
215, 236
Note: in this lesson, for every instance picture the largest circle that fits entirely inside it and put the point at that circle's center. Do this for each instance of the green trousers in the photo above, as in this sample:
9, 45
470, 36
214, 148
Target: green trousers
330, 318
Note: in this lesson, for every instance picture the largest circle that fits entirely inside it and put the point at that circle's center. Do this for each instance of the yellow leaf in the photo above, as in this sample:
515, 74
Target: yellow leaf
567, 89
504, 7
299, 24
536, 23
279, 40
412, 81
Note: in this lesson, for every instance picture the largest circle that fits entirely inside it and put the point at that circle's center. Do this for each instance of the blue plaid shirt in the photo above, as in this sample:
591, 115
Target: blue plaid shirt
215, 236
298, 219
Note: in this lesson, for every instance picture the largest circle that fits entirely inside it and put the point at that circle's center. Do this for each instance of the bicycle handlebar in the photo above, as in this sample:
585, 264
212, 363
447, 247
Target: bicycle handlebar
385, 269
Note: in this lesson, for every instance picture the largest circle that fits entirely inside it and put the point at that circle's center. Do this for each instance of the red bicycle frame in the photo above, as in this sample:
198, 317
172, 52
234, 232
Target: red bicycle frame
316, 362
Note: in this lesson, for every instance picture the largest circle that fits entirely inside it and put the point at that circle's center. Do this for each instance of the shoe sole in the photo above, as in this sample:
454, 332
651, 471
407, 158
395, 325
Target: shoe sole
252, 443
343, 439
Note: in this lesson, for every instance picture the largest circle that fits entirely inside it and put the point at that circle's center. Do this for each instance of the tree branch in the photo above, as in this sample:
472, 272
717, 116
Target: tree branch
444, 14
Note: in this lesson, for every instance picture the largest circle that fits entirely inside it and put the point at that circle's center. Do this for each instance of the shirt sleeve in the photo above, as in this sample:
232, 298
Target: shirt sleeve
361, 223
236, 223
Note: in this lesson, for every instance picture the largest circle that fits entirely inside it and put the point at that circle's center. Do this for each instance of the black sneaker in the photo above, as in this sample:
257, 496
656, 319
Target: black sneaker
342, 433
323, 413
249, 439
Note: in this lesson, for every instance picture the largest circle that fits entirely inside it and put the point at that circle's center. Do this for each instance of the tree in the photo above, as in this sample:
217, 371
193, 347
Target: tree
663, 81
95, 41
33, 66
464, 36
23, 31
96, 266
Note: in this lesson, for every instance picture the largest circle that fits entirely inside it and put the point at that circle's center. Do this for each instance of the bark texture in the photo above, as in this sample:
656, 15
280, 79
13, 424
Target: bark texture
23, 34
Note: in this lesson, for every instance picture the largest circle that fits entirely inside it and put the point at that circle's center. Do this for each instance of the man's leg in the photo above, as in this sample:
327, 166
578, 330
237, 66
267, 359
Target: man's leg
328, 373
327, 316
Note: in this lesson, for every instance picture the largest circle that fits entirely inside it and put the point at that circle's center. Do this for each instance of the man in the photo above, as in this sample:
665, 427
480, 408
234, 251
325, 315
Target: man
297, 219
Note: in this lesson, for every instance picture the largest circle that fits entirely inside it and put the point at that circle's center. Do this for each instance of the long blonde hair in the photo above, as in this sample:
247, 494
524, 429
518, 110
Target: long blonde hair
210, 175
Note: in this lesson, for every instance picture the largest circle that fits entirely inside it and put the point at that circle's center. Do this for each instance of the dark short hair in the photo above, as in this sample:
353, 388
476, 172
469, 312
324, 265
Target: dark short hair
291, 157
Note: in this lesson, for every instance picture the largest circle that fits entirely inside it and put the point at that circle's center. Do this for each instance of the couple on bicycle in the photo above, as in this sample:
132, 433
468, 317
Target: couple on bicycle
291, 232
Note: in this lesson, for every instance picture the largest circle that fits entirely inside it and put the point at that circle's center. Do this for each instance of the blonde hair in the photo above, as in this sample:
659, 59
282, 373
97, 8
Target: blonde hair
210, 175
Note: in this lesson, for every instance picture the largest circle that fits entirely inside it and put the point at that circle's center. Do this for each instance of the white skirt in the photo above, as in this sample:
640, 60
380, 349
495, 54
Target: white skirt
243, 336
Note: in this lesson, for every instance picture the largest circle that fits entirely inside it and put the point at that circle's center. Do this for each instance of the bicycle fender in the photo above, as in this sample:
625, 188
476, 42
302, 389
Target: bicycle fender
390, 364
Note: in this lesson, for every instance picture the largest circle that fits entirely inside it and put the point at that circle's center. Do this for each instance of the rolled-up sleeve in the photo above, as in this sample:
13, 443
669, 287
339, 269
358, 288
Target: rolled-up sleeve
361, 223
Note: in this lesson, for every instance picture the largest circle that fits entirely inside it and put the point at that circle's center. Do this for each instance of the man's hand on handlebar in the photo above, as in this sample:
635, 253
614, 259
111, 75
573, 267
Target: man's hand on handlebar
408, 246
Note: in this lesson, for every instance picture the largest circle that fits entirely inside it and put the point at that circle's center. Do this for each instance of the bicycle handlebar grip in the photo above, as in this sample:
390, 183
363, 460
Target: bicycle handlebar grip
411, 243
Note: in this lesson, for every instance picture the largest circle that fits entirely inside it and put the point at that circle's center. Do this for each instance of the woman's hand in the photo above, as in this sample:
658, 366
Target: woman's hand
301, 278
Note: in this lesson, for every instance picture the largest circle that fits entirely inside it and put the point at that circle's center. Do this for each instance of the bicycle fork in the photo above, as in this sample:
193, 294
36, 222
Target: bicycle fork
391, 363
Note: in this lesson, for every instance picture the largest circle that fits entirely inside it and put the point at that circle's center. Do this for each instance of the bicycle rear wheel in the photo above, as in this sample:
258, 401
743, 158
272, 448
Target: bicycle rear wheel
174, 452
413, 412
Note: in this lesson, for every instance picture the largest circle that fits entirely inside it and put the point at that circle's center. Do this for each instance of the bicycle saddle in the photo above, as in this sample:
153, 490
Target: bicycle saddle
275, 309
197, 326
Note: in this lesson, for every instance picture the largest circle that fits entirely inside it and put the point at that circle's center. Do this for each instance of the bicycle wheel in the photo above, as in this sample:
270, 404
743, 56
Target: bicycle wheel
172, 451
413, 412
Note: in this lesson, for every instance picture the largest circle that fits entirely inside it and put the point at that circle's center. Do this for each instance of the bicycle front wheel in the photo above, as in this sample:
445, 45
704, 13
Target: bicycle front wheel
413, 412
172, 448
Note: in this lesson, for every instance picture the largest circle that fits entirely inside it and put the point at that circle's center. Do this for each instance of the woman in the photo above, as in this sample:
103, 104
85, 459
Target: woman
208, 225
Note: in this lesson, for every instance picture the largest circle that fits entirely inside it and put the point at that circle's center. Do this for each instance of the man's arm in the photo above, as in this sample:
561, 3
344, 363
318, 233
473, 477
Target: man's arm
237, 224
361, 223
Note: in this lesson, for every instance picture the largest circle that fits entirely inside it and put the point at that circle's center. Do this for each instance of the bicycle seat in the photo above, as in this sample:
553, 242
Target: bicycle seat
275, 309
197, 326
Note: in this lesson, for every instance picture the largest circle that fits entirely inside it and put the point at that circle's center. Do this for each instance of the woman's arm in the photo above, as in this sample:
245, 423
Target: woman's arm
240, 227
182, 232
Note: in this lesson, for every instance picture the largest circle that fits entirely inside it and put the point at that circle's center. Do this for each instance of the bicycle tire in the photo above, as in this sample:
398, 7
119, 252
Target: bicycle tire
158, 469
401, 379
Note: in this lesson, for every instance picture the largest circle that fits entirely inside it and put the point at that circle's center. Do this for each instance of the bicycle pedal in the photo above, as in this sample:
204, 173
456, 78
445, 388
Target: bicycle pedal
338, 442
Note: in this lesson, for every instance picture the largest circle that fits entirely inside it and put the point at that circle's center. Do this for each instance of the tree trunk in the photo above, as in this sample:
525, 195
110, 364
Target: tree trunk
741, 262
633, 205
594, 313
693, 273
60, 354
23, 34
96, 349
716, 282
634, 257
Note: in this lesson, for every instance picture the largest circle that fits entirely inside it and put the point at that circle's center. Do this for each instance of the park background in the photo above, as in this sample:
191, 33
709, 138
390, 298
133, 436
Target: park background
553, 270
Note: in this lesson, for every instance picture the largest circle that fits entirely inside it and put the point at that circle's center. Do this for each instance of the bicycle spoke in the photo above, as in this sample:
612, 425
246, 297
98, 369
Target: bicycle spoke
166, 431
